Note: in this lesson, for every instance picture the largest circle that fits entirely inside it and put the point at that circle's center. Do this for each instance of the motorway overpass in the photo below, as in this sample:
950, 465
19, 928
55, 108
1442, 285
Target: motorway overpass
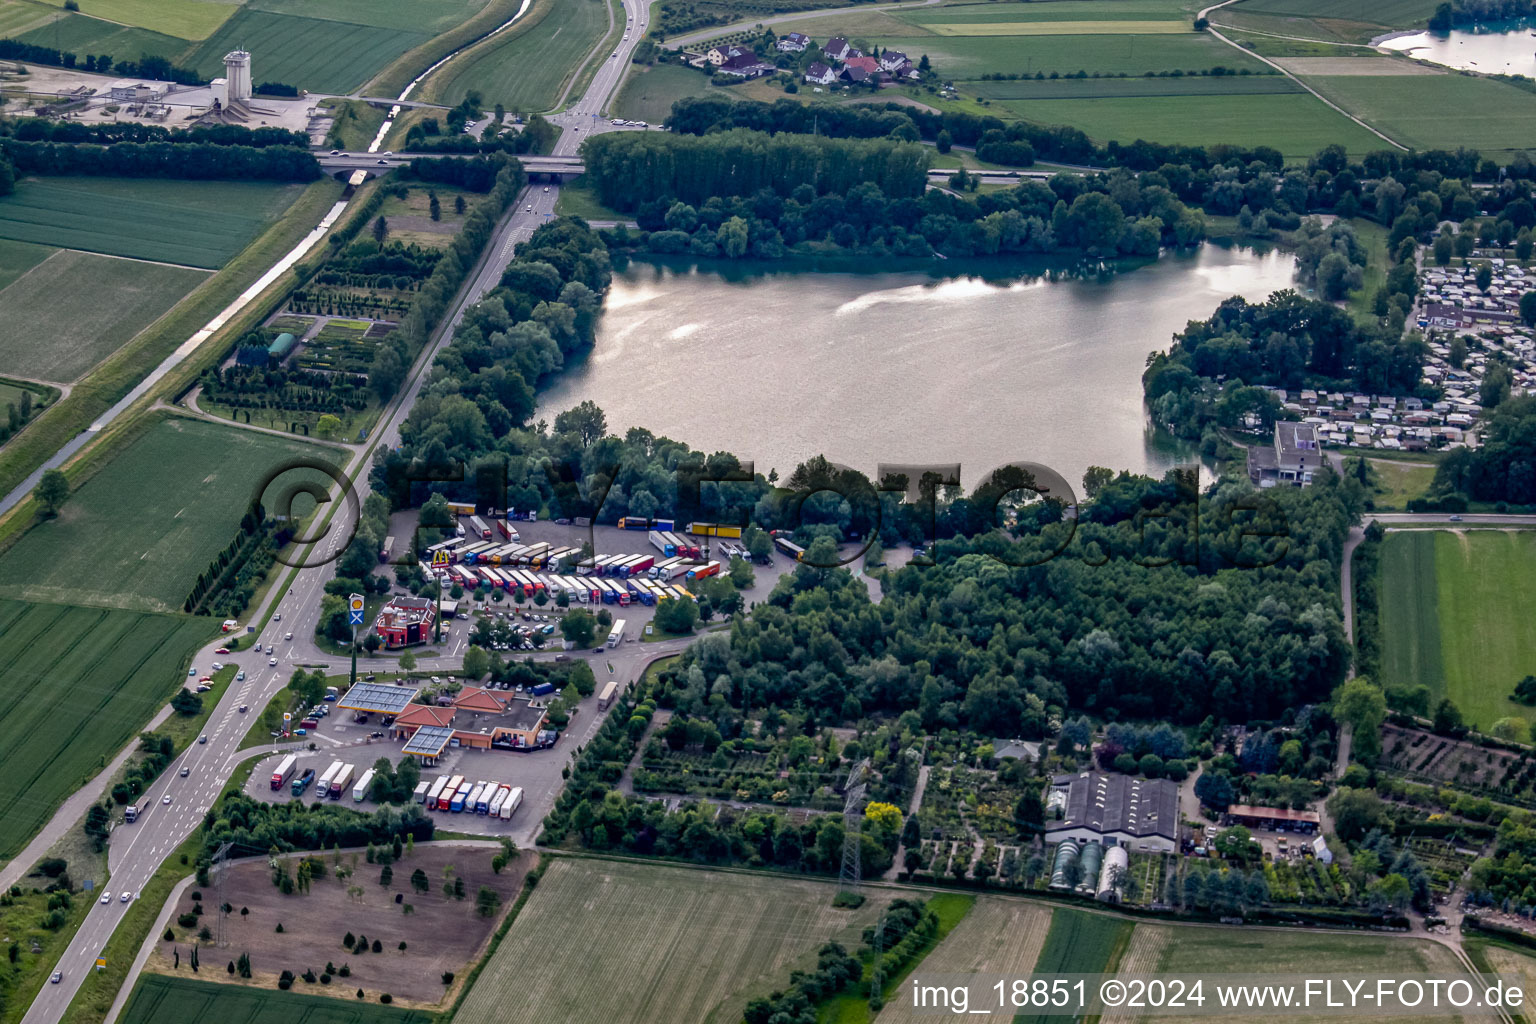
539, 168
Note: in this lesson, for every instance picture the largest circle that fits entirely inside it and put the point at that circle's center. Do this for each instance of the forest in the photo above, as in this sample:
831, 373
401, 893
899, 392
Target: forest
37, 129
631, 167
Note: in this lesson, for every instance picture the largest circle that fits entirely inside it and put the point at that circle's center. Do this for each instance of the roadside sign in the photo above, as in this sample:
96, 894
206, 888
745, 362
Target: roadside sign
440, 558
355, 609
101, 962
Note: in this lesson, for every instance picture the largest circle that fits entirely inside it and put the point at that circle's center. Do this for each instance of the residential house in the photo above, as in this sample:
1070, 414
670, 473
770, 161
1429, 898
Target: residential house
866, 64
746, 64
794, 42
819, 74
836, 48
721, 52
854, 74
890, 60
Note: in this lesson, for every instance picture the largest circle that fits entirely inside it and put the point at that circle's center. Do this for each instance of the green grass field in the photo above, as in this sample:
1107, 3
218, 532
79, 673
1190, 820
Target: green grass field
16, 258
429, 16
137, 534
81, 34
1078, 943
1052, 10
189, 19
1457, 616
648, 95
1296, 124
80, 682
311, 53
526, 68
967, 57
191, 223
157, 998
1345, 21
1102, 88
1438, 111
40, 342
674, 944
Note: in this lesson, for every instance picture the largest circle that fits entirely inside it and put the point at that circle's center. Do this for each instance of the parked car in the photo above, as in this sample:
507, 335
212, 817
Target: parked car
222, 650
287, 636
272, 662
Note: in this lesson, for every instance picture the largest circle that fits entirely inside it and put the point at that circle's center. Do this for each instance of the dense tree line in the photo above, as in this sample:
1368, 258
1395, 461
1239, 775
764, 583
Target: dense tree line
1287, 341
478, 174
631, 167
37, 129
1109, 215
147, 66
196, 161
536, 137
255, 826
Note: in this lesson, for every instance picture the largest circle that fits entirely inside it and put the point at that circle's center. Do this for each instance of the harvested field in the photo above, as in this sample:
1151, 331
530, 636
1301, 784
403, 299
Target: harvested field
1354, 66
674, 944
1055, 28
996, 937
440, 934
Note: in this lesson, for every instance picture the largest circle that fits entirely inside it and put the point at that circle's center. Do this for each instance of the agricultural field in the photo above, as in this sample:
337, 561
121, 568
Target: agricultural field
648, 94
1172, 951
970, 56
1296, 124
121, 667
429, 16
17, 16
188, 223
16, 258
1334, 21
39, 343
157, 998
1136, 88
1443, 111
1047, 11
314, 923
189, 19
997, 937
526, 67
1457, 616
311, 53
199, 476
80, 34
675, 944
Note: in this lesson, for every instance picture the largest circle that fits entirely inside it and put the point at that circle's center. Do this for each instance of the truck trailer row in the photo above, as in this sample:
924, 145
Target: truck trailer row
458, 795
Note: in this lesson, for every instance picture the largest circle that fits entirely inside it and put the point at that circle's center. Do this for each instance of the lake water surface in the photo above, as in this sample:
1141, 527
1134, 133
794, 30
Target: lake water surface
777, 365
1497, 48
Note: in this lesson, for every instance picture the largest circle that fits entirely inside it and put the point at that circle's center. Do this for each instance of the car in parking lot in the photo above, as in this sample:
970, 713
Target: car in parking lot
301, 732
272, 662
222, 650
203, 687
287, 636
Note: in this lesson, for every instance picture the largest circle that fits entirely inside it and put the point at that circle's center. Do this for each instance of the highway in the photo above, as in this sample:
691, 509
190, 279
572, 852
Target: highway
137, 850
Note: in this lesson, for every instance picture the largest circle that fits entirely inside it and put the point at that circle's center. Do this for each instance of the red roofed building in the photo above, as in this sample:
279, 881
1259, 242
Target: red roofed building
417, 715
866, 64
475, 698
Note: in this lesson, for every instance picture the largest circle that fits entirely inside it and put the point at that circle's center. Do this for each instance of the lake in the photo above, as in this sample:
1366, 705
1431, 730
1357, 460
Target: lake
1497, 48
1025, 364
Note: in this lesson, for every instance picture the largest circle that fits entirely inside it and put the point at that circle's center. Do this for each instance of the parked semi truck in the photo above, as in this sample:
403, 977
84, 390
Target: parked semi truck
360, 791
340, 781
301, 783
283, 772
457, 804
451, 790
436, 791
323, 787
510, 802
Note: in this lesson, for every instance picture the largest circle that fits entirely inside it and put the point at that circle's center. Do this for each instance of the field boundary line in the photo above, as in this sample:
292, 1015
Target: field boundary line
1213, 30
130, 259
